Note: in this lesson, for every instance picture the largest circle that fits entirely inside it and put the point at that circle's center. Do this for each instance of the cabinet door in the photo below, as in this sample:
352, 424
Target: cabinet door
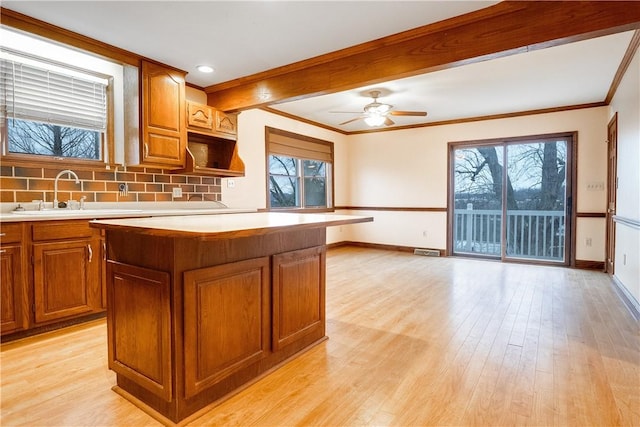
139, 326
226, 123
164, 135
12, 289
66, 279
199, 116
298, 295
226, 321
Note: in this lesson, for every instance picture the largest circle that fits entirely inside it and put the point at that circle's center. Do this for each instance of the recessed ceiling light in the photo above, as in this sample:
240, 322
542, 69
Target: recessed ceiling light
205, 69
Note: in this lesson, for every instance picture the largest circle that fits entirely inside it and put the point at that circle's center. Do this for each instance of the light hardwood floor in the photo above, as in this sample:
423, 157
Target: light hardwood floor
414, 341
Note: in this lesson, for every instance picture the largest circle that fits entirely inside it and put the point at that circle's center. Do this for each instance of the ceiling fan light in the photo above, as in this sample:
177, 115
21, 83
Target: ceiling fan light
374, 120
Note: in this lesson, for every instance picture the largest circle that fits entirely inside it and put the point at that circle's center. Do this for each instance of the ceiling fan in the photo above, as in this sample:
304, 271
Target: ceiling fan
377, 113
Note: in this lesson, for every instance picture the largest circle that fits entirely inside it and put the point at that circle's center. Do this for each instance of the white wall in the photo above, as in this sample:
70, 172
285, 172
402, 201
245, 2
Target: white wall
408, 168
626, 103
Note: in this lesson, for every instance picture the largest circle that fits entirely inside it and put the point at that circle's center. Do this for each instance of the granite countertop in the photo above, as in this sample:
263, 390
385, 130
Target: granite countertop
227, 226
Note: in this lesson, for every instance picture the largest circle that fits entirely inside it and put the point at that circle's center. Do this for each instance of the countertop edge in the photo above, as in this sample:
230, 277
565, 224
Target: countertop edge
238, 232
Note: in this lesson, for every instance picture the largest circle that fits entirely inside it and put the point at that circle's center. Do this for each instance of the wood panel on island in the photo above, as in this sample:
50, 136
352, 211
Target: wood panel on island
200, 306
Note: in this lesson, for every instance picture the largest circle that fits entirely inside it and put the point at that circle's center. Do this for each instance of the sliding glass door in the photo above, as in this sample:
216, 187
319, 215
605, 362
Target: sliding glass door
511, 198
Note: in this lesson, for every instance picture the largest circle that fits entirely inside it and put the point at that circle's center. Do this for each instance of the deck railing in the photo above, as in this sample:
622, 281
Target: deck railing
529, 234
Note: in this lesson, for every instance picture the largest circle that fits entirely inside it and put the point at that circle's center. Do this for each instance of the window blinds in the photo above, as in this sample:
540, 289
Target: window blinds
34, 93
300, 146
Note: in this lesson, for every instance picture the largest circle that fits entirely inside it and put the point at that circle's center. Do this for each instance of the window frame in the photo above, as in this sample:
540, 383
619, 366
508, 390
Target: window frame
570, 195
106, 140
301, 154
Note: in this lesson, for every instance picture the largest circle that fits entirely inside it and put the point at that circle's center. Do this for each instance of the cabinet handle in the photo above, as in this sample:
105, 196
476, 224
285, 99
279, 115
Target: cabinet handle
104, 251
3, 234
146, 149
2, 251
90, 252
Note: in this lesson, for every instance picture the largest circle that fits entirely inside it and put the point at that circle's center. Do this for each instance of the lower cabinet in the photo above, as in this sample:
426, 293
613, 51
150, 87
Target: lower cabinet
139, 326
190, 320
13, 310
51, 272
12, 289
226, 321
234, 316
298, 295
66, 279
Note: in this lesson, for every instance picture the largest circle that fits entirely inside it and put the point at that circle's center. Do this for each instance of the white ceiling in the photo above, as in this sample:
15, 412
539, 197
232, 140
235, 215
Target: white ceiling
240, 38
571, 74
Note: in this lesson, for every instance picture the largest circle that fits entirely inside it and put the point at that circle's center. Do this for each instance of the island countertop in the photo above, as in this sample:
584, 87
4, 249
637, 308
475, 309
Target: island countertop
227, 226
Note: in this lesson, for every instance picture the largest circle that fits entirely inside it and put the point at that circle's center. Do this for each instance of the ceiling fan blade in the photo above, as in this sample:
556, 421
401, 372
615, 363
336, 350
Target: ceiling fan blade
349, 121
388, 122
408, 113
347, 112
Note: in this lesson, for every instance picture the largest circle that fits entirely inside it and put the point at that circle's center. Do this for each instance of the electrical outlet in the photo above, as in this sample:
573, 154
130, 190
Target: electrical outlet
231, 183
177, 192
595, 186
588, 241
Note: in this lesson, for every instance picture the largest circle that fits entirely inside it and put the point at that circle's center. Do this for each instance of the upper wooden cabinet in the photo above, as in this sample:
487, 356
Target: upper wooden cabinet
206, 120
226, 123
199, 117
164, 135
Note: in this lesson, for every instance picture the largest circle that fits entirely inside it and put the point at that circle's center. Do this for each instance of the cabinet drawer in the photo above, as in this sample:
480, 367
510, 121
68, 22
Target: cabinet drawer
11, 233
62, 230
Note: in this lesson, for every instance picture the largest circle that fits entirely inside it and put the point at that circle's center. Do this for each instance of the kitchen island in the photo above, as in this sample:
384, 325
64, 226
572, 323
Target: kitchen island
198, 306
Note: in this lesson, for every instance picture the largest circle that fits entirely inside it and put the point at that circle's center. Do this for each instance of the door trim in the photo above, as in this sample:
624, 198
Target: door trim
612, 173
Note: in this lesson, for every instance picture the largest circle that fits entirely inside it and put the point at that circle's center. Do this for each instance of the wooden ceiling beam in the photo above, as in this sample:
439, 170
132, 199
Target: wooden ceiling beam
506, 28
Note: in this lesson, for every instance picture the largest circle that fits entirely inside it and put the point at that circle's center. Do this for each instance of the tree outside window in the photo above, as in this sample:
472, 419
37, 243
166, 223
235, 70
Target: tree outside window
28, 137
297, 183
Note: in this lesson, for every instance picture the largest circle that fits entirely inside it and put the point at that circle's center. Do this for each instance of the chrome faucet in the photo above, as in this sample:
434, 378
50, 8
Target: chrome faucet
55, 184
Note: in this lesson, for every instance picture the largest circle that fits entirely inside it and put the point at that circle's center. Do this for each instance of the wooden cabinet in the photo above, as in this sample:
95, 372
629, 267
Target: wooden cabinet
226, 321
139, 327
206, 119
211, 142
51, 275
298, 295
66, 270
226, 123
190, 319
163, 128
199, 117
13, 313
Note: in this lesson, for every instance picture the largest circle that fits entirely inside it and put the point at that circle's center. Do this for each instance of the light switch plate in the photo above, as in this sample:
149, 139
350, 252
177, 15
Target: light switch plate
177, 192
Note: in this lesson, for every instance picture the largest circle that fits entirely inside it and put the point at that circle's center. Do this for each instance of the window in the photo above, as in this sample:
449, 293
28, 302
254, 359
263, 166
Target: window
299, 170
82, 116
52, 110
